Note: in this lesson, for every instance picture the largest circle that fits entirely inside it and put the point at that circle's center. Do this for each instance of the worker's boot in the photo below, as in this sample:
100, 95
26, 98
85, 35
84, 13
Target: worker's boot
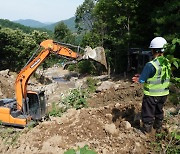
147, 127
157, 125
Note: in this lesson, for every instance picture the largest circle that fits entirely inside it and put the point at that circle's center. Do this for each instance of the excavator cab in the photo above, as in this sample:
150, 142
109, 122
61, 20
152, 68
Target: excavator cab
36, 105
34, 108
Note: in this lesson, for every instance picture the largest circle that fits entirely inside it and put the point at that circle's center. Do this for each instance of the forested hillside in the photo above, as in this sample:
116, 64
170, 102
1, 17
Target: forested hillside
30, 23
9, 24
117, 26
70, 23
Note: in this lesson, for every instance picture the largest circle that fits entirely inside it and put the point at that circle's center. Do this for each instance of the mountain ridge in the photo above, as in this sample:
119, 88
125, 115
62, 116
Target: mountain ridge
49, 26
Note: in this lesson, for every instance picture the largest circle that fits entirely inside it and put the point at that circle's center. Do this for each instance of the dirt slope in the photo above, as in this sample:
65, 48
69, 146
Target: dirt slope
109, 126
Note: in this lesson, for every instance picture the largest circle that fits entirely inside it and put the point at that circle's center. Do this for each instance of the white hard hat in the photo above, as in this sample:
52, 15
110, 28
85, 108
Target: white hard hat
157, 43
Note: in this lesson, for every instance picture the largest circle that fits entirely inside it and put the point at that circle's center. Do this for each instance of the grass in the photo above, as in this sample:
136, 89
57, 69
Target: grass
9, 135
167, 142
84, 150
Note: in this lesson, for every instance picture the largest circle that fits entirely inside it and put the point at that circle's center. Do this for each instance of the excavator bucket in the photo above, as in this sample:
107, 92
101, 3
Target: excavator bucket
97, 54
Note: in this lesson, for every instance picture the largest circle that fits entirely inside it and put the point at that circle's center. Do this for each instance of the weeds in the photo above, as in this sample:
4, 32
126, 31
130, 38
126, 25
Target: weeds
84, 150
167, 143
91, 83
76, 99
9, 135
56, 110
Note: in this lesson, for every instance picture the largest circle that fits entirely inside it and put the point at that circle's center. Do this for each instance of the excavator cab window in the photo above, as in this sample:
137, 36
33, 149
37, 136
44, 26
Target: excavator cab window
36, 105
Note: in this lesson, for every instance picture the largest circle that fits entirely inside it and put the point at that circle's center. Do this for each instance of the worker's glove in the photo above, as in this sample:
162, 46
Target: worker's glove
136, 78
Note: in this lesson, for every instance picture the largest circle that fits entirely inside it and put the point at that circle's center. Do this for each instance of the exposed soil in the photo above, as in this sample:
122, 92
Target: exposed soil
110, 125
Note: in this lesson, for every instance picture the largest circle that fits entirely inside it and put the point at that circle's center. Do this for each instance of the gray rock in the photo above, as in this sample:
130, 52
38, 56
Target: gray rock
126, 124
111, 128
106, 85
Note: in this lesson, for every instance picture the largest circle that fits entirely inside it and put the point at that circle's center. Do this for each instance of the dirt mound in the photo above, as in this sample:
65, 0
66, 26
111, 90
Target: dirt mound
106, 129
110, 125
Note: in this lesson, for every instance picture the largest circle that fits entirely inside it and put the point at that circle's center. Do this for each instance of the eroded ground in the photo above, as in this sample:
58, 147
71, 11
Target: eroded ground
110, 125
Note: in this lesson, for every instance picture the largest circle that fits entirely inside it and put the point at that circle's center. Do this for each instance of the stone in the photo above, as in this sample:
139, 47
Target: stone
106, 85
126, 124
111, 128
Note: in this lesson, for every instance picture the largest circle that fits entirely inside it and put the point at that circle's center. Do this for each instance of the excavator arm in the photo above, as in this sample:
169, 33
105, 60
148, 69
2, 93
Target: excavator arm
51, 47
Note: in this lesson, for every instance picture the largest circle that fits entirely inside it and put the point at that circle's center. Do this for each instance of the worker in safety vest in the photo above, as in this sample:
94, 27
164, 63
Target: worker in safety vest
155, 78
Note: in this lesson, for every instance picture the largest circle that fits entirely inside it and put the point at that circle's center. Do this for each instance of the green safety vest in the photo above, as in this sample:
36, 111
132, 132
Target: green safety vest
158, 85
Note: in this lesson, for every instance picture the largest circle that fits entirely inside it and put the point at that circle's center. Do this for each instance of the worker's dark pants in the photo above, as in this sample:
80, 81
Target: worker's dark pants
152, 108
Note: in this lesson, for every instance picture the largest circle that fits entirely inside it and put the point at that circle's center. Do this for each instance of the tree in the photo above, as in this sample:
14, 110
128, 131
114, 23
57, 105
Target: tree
16, 47
167, 20
63, 34
39, 36
84, 16
118, 25
114, 20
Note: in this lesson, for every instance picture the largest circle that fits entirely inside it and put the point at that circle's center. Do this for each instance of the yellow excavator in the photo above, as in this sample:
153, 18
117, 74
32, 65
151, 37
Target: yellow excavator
30, 105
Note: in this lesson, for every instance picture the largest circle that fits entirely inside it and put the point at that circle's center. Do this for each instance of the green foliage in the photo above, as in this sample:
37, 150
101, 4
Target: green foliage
56, 111
91, 83
85, 67
111, 22
175, 135
84, 150
8, 24
63, 34
119, 25
172, 54
167, 143
91, 39
16, 47
84, 16
38, 36
76, 99
166, 19
71, 67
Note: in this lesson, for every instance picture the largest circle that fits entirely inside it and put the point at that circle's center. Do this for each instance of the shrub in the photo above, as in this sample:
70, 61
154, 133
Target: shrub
91, 83
76, 99
56, 111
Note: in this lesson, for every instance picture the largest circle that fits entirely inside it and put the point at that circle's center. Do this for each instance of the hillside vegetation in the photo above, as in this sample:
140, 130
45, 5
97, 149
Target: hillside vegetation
70, 23
30, 23
9, 24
